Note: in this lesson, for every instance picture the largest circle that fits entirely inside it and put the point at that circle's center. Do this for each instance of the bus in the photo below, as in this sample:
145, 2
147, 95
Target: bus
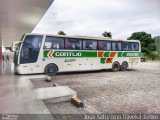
49, 54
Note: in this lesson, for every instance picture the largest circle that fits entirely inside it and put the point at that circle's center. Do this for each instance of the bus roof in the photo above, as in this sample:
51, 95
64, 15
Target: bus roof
83, 37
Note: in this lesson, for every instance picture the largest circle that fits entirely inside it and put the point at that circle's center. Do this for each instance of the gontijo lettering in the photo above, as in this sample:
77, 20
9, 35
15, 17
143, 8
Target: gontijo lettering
68, 54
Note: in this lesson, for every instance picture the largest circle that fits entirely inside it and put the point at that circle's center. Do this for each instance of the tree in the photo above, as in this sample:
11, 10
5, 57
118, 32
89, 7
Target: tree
107, 34
157, 42
147, 42
61, 33
153, 55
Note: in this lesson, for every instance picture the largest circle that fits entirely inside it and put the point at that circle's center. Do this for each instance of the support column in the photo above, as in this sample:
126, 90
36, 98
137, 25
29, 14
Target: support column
0, 53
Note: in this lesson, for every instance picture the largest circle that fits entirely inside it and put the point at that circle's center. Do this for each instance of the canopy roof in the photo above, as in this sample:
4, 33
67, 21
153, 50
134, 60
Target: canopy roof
20, 16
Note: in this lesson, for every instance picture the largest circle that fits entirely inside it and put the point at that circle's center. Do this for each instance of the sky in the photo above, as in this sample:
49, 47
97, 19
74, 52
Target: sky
93, 17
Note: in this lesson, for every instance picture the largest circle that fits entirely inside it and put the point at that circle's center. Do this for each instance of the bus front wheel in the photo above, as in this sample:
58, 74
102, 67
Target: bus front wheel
115, 67
124, 66
51, 69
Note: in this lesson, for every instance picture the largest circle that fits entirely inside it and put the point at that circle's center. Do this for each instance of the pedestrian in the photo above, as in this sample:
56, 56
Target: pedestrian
3, 58
7, 58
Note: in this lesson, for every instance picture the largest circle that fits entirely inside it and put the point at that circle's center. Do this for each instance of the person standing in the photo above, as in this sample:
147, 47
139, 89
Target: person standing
3, 58
7, 58
3, 62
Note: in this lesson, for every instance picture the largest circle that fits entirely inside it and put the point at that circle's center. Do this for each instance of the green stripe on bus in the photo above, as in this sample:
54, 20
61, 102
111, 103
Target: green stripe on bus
70, 54
89, 54
50, 53
45, 53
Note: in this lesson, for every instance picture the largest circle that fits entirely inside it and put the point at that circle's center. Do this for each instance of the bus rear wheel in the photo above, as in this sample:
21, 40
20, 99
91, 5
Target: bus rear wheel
51, 69
115, 67
124, 66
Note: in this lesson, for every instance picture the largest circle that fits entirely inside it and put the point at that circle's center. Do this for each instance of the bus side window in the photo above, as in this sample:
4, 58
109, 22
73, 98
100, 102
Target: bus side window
73, 44
102, 45
119, 46
89, 44
47, 45
108, 45
53, 43
135, 46
124, 46
114, 46
127, 46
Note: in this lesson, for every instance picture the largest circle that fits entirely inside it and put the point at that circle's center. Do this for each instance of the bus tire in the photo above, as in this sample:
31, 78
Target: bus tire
124, 66
51, 69
115, 66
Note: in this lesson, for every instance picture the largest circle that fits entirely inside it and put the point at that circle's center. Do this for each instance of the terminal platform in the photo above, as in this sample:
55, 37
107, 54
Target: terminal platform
20, 97
17, 94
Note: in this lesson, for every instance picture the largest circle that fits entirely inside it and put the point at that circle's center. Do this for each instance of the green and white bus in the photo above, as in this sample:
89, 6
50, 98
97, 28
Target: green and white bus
44, 53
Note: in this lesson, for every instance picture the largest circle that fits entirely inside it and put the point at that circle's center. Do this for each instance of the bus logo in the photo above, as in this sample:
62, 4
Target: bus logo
68, 54
50, 54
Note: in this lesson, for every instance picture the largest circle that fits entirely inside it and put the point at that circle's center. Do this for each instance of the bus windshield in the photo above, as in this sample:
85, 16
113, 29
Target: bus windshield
30, 48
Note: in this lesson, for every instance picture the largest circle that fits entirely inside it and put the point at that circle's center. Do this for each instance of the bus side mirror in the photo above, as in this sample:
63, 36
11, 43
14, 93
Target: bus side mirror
14, 47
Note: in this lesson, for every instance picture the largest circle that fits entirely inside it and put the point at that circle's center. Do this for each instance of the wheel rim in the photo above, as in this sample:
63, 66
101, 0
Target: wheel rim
51, 70
124, 66
116, 67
